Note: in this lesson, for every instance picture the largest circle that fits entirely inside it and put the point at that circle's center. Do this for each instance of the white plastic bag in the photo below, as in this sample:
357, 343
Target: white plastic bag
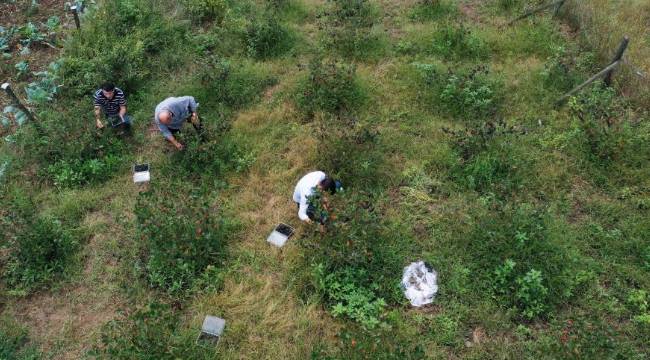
420, 284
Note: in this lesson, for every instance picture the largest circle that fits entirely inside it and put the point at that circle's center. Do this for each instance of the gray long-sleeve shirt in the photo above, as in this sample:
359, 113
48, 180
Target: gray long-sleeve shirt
180, 107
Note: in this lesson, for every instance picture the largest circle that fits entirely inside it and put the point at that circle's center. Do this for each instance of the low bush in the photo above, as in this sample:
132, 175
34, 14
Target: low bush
182, 237
153, 332
13, 344
530, 266
434, 9
331, 86
562, 70
266, 37
234, 84
358, 260
41, 248
601, 119
469, 95
349, 28
130, 53
455, 41
206, 10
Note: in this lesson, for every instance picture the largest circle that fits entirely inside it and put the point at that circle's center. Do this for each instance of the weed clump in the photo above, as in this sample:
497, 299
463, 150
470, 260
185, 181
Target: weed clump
456, 41
331, 86
471, 95
41, 247
182, 238
433, 9
206, 10
266, 37
349, 28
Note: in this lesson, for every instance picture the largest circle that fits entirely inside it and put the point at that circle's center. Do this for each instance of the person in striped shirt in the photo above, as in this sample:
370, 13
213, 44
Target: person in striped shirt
111, 101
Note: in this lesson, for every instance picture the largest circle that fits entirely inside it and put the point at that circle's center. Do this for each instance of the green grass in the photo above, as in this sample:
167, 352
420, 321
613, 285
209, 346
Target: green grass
440, 122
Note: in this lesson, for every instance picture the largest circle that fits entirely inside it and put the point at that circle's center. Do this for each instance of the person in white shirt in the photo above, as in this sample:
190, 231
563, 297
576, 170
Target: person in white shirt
306, 188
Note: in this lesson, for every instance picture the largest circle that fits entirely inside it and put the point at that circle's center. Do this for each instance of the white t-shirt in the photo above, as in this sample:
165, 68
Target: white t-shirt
304, 189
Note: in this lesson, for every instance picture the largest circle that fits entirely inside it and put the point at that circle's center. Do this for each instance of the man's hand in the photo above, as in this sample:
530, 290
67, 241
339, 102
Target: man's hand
99, 124
178, 145
308, 221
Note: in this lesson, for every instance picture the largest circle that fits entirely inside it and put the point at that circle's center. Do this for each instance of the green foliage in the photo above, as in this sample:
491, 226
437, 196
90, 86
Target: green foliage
343, 288
562, 70
18, 115
149, 333
234, 84
266, 37
6, 37
90, 163
13, 344
30, 34
182, 237
600, 118
467, 95
142, 41
41, 248
428, 10
531, 294
46, 86
210, 159
22, 68
206, 10
331, 86
357, 259
349, 29
456, 41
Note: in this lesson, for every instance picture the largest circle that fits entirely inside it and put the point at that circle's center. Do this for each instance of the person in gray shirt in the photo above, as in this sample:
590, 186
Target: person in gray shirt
172, 113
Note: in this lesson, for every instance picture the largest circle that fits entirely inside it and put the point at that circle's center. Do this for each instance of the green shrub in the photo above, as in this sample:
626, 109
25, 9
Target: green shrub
349, 29
141, 43
331, 86
347, 298
266, 37
357, 259
41, 250
434, 9
600, 117
531, 294
562, 70
182, 237
13, 344
209, 159
91, 162
206, 10
233, 84
150, 333
458, 42
467, 95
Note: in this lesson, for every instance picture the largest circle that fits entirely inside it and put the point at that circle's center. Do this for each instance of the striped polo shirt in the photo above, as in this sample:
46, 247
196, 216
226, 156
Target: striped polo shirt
111, 107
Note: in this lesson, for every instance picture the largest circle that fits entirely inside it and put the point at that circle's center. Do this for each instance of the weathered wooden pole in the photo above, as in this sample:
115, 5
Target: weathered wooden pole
7, 88
75, 14
619, 54
601, 73
557, 5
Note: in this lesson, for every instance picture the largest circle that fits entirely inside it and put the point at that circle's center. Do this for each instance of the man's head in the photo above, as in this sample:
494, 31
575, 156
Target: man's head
327, 184
165, 117
108, 89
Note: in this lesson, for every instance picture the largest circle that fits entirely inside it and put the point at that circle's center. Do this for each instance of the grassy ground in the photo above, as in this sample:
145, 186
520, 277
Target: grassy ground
541, 196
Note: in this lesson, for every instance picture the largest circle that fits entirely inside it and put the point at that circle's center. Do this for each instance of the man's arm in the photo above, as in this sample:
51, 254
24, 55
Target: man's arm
98, 115
122, 111
169, 136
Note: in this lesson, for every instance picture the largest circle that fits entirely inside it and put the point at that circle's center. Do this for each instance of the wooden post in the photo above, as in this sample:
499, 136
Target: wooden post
75, 14
557, 8
619, 54
604, 71
557, 4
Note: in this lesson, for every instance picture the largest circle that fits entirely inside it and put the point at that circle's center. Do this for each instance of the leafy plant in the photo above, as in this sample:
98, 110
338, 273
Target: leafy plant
42, 248
152, 332
18, 115
266, 37
6, 37
46, 86
459, 42
331, 86
211, 159
13, 344
182, 238
22, 67
357, 302
468, 95
234, 84
434, 9
531, 294
30, 34
206, 10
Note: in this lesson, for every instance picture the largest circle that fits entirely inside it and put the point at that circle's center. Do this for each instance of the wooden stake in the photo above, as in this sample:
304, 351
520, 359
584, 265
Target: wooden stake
557, 5
619, 54
591, 79
75, 14
7, 88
